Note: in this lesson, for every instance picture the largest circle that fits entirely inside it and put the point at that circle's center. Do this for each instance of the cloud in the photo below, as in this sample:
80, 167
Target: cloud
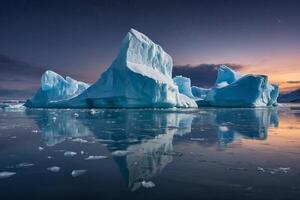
17, 78
21, 79
203, 75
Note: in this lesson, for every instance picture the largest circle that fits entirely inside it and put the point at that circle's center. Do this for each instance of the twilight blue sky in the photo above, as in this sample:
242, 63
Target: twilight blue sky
82, 37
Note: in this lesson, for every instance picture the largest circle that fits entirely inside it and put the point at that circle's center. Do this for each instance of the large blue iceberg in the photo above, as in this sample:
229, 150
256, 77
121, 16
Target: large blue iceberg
234, 90
140, 76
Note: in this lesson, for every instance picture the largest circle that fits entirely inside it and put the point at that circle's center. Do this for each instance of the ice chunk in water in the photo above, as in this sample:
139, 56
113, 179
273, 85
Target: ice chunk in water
70, 154
120, 153
25, 164
6, 174
96, 157
54, 169
40, 148
78, 172
148, 184
80, 140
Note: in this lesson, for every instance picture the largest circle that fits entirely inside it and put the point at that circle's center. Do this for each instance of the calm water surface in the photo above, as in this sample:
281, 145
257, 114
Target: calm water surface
150, 154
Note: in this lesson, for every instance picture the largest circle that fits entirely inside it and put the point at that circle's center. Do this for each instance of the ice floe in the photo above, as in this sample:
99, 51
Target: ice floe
120, 153
78, 172
70, 153
96, 157
54, 169
6, 174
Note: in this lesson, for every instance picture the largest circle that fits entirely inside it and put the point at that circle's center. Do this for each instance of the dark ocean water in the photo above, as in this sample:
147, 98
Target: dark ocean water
203, 153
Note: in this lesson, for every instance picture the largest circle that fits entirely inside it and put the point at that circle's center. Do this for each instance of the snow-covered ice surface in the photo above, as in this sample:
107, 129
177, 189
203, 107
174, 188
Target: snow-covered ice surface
207, 153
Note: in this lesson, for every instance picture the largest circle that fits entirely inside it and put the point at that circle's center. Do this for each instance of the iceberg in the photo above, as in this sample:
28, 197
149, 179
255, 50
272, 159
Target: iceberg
140, 76
184, 85
234, 90
54, 88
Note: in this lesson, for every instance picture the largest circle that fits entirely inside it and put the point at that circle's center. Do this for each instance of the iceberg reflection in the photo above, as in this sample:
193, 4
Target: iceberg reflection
148, 134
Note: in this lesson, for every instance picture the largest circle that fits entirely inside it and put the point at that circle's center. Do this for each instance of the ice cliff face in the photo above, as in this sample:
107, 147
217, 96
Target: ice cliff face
54, 88
235, 90
140, 76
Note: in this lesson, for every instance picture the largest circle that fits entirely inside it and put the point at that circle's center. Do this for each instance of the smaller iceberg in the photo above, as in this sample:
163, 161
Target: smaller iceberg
54, 88
234, 90
184, 85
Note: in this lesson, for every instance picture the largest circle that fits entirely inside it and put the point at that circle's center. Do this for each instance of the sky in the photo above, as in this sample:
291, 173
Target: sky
82, 37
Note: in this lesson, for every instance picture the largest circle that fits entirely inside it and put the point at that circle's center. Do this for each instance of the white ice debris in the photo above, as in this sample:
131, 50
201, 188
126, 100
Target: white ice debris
6, 174
40, 148
80, 140
223, 128
96, 157
78, 172
279, 170
25, 164
70, 153
120, 153
54, 169
148, 184
93, 111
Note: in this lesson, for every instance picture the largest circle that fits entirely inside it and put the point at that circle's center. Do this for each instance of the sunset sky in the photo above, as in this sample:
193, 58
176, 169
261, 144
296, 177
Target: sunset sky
82, 37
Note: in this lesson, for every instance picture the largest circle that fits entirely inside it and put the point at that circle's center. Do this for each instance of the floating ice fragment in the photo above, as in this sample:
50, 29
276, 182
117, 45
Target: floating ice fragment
53, 118
81, 152
25, 164
223, 128
93, 111
49, 157
70, 154
260, 169
282, 170
120, 153
78, 172
148, 184
6, 174
41, 148
76, 114
80, 140
96, 157
34, 131
54, 169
